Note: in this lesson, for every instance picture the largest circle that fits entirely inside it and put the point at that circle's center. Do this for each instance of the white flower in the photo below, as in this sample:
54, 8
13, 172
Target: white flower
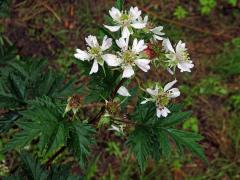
123, 91
125, 21
129, 57
161, 96
94, 51
178, 57
157, 31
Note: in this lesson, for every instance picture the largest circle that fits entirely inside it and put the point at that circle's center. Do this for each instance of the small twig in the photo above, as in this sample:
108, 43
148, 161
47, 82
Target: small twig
52, 11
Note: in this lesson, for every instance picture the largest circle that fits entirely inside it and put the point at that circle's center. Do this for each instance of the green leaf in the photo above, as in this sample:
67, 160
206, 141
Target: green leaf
187, 140
31, 168
119, 4
7, 121
174, 118
81, 138
43, 120
140, 144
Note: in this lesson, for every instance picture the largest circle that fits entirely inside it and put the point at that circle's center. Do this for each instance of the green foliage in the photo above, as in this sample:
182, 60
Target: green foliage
232, 2
227, 63
180, 13
191, 124
4, 8
119, 4
31, 169
81, 139
43, 114
207, 6
152, 137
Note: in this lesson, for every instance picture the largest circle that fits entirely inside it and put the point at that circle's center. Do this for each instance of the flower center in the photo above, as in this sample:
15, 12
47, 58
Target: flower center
125, 19
183, 56
128, 57
162, 99
95, 52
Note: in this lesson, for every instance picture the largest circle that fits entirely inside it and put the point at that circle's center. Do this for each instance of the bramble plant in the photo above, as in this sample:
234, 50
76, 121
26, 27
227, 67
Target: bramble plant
51, 114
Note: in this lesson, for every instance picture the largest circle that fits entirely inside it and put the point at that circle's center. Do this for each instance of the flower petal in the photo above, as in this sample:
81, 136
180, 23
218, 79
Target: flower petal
94, 67
125, 32
122, 43
167, 46
169, 85
112, 60
143, 64
138, 25
173, 93
180, 47
128, 71
106, 44
92, 41
146, 100
158, 30
82, 55
123, 91
115, 14
112, 28
153, 92
134, 13
165, 112
185, 66
138, 46
162, 112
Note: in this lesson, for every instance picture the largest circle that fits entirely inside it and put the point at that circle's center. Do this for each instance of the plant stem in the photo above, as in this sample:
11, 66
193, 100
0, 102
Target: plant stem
102, 111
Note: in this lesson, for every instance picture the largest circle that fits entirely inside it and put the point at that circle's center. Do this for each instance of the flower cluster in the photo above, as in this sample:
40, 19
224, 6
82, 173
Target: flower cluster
130, 53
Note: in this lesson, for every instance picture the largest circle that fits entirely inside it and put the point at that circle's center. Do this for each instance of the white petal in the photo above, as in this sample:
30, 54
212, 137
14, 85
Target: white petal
159, 112
106, 44
167, 45
162, 112
173, 93
82, 55
128, 71
143, 64
153, 92
145, 20
159, 38
114, 128
122, 43
185, 66
92, 41
180, 47
138, 25
134, 13
145, 101
169, 85
125, 32
115, 13
112, 60
158, 30
170, 71
112, 28
123, 91
138, 46
165, 112
94, 67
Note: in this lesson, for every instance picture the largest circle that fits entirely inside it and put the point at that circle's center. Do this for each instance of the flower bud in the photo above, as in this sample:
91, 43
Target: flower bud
74, 103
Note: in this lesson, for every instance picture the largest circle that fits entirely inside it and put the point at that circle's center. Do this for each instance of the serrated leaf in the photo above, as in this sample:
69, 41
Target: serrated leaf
187, 140
31, 168
119, 4
80, 140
